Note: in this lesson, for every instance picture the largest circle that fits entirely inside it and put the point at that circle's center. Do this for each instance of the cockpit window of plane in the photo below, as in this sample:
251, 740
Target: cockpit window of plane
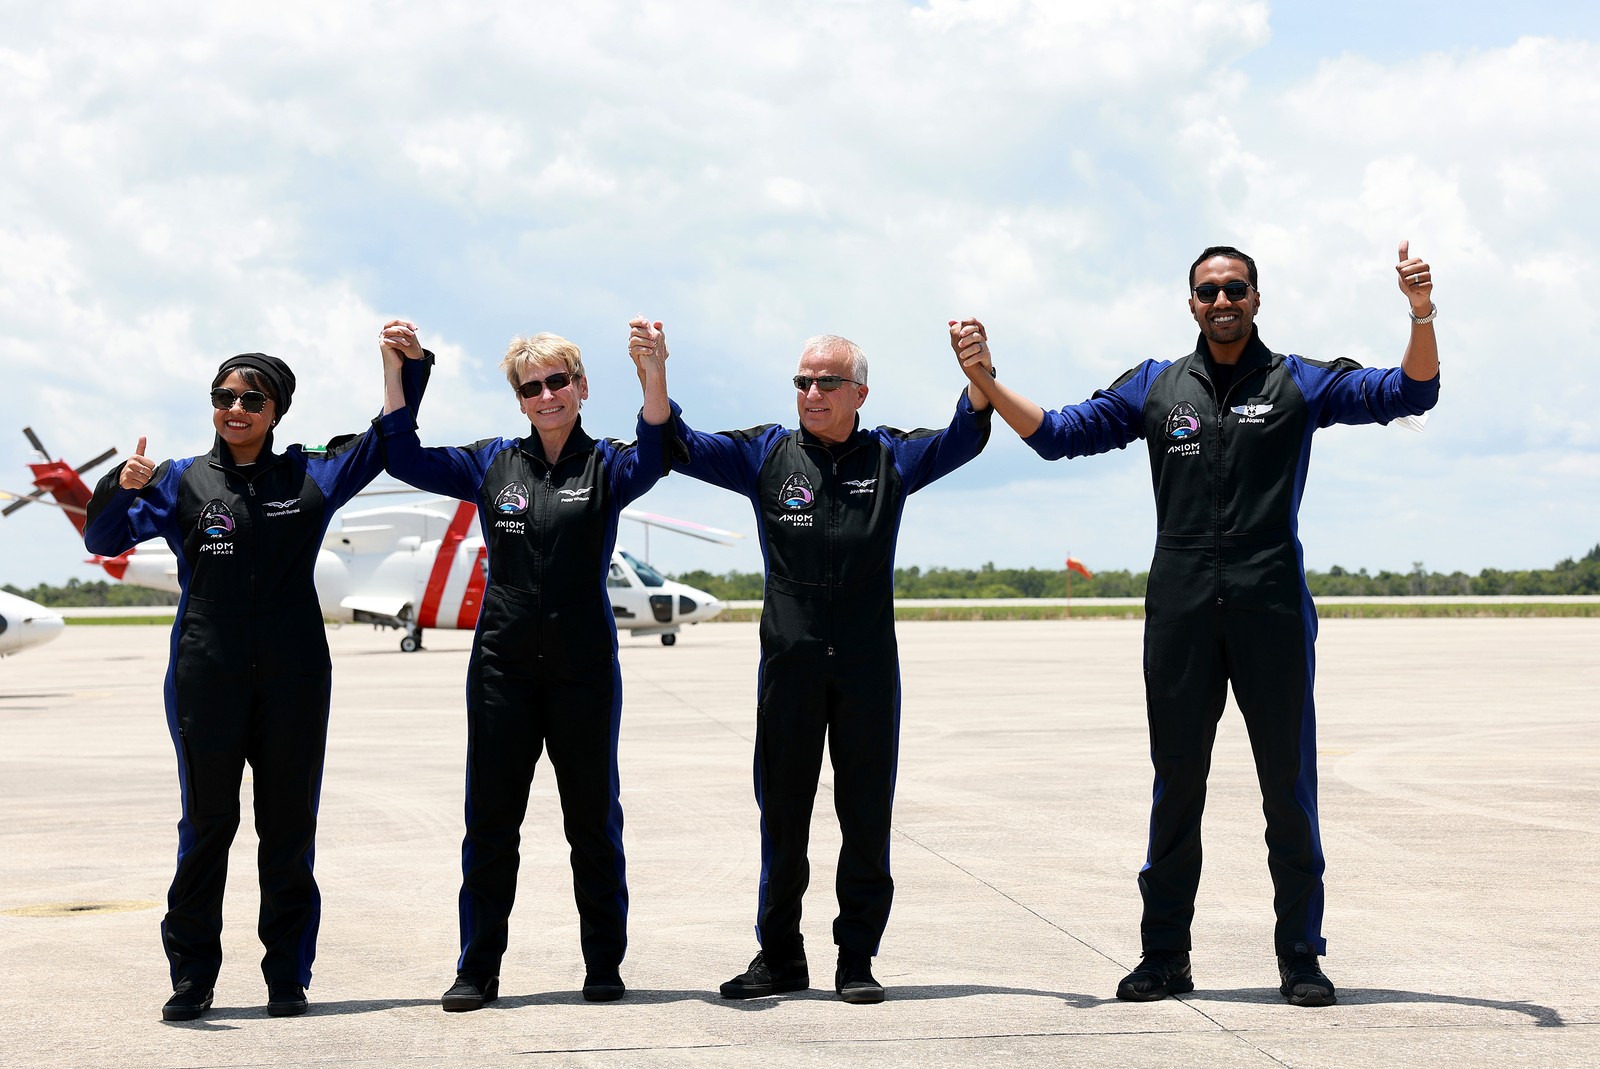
647, 575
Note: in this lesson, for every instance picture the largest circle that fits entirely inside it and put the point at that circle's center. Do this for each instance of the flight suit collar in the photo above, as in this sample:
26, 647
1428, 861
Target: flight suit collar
578, 441
856, 436
222, 457
1256, 354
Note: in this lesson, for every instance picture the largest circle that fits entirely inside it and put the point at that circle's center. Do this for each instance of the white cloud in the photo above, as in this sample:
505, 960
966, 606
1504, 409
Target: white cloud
187, 183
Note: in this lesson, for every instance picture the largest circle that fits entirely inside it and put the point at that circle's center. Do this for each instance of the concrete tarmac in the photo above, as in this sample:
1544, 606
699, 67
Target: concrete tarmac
1460, 769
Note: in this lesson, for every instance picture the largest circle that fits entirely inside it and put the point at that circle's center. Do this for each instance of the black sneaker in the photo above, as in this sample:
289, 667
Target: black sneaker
286, 1000
760, 980
189, 1000
853, 979
470, 994
1304, 983
1160, 973
603, 985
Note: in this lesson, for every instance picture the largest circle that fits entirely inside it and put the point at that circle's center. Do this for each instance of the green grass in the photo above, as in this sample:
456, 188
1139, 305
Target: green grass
1136, 612
1452, 610
1457, 610
118, 621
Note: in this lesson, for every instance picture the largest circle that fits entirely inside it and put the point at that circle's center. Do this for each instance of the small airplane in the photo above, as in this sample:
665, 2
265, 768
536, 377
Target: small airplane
24, 623
412, 567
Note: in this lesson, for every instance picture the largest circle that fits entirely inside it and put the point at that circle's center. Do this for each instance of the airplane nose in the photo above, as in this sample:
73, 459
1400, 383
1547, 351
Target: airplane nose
42, 627
32, 628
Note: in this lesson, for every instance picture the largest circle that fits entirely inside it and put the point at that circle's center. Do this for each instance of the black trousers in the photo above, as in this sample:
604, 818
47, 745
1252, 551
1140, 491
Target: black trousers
855, 705
1258, 634
224, 713
514, 713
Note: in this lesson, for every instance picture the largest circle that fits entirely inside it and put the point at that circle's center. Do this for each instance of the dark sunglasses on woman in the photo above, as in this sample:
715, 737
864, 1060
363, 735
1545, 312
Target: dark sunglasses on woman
223, 399
534, 387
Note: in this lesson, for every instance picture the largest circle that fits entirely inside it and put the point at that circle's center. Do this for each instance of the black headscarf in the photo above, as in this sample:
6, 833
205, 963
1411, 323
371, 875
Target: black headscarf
276, 371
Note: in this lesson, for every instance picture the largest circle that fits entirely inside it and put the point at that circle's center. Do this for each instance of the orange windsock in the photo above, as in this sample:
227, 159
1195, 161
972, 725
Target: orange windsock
1076, 565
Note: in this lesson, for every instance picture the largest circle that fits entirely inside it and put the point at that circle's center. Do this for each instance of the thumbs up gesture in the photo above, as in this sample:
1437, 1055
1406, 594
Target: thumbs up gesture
1416, 281
137, 469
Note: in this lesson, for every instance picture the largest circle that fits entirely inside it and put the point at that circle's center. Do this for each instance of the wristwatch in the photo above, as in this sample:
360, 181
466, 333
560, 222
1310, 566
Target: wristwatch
1433, 313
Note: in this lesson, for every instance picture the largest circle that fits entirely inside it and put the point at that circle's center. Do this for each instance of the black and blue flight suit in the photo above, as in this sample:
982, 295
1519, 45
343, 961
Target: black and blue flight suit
544, 673
1227, 598
829, 518
248, 678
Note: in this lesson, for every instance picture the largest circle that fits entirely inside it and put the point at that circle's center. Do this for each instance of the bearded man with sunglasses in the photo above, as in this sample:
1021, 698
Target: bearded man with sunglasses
828, 498
1229, 429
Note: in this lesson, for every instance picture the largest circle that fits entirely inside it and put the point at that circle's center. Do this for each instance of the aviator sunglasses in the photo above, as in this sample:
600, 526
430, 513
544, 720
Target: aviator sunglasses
825, 383
534, 387
1207, 292
223, 398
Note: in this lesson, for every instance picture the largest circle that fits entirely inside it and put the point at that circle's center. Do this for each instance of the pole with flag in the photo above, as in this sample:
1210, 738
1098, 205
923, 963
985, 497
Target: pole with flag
1075, 565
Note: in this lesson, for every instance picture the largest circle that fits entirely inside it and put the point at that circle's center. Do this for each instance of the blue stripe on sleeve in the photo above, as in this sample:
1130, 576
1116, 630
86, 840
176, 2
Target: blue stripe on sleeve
922, 456
1108, 420
729, 459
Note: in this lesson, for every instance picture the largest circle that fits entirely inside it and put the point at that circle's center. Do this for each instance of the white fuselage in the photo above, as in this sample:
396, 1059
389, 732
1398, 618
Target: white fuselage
423, 566
24, 623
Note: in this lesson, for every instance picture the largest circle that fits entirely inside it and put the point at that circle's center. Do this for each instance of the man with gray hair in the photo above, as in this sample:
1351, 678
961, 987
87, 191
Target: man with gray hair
828, 499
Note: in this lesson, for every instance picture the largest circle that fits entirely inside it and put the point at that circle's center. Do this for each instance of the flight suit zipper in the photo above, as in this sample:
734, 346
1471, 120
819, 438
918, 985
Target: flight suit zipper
1218, 482
253, 507
832, 526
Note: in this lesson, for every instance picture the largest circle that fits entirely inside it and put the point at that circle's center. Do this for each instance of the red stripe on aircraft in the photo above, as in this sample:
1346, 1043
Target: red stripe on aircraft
116, 566
64, 485
440, 574
472, 600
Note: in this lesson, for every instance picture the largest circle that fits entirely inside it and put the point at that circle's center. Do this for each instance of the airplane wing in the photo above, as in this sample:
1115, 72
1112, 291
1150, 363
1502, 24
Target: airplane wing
684, 527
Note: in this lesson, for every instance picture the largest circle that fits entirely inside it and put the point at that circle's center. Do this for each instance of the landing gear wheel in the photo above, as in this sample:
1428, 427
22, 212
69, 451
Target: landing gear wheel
669, 640
410, 644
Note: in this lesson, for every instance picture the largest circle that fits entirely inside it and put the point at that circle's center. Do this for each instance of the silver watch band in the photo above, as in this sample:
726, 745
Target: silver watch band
1433, 313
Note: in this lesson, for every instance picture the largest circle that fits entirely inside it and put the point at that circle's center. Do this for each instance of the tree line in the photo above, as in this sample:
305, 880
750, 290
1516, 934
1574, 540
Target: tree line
96, 593
1581, 576
1570, 576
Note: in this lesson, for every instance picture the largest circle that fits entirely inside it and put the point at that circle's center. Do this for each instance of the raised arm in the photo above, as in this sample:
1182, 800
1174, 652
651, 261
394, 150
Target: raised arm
1108, 420
1421, 360
921, 456
647, 345
971, 344
1342, 391
397, 343
133, 502
634, 469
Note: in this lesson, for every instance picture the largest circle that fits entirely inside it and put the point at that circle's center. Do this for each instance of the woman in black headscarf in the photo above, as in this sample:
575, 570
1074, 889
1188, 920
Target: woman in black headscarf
248, 675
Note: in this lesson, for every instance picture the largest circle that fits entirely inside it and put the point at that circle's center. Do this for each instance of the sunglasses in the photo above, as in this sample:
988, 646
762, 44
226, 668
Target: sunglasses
1207, 292
222, 399
535, 387
825, 383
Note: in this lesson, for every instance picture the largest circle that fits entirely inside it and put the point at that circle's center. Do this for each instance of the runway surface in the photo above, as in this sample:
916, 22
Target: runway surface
1460, 769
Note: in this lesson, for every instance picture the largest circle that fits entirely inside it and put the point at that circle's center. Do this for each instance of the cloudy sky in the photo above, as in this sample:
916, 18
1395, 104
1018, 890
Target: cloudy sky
185, 182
